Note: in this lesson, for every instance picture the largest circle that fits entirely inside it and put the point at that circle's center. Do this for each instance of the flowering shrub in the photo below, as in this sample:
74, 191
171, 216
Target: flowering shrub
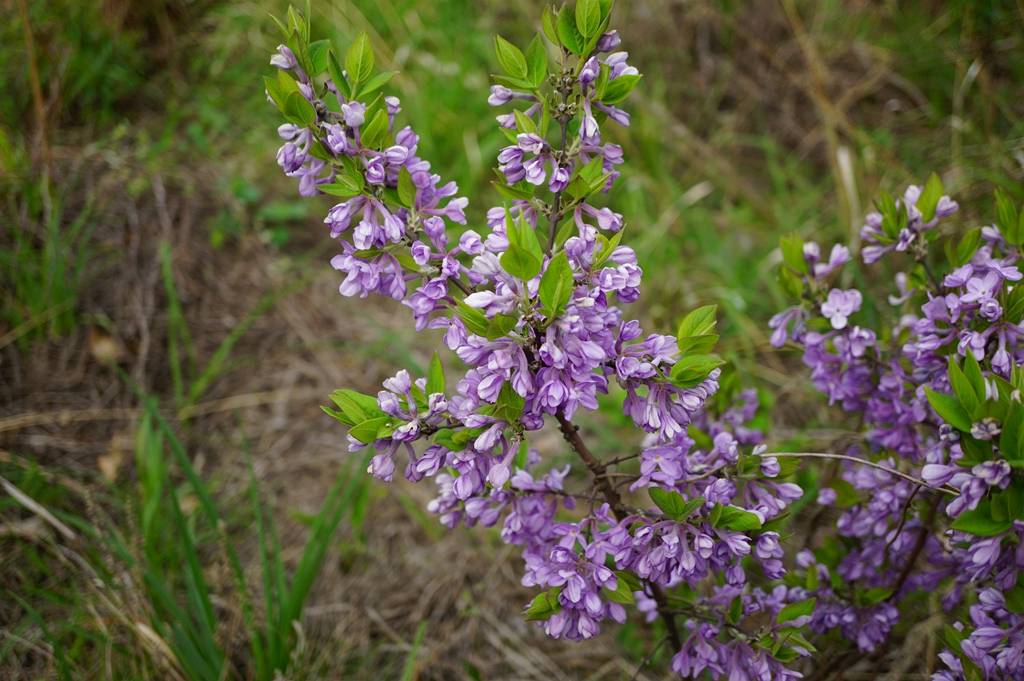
686, 530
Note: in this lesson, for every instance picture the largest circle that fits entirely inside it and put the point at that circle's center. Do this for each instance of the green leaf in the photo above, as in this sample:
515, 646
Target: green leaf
345, 185
1007, 217
792, 247
568, 35
737, 519
1015, 305
359, 62
520, 263
279, 91
962, 388
500, 325
511, 58
406, 188
548, 21
980, 522
588, 17
691, 370
699, 322
967, 247
318, 57
556, 286
795, 610
1008, 504
376, 83
338, 75
435, 376
608, 246
973, 372
622, 592
617, 90
374, 133
673, 504
475, 320
509, 406
949, 410
697, 345
371, 429
536, 62
523, 122
794, 637
929, 199
791, 283
543, 606
355, 407
299, 111
1010, 445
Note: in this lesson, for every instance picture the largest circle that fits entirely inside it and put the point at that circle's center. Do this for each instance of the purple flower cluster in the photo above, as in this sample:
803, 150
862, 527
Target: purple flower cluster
937, 395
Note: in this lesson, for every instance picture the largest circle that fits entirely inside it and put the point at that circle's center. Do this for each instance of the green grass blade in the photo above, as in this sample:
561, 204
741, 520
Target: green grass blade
178, 341
409, 670
323, 529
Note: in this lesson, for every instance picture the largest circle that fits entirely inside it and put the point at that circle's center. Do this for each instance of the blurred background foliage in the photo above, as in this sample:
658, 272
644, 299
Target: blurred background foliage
167, 315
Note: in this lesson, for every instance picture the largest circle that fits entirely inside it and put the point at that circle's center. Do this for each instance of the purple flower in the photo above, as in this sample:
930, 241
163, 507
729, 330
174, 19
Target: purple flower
840, 305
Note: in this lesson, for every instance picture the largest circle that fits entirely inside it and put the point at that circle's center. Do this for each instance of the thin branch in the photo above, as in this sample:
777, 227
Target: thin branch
650, 656
864, 462
922, 539
571, 434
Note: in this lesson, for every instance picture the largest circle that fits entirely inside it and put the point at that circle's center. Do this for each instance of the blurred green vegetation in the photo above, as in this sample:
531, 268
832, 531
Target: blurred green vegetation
754, 119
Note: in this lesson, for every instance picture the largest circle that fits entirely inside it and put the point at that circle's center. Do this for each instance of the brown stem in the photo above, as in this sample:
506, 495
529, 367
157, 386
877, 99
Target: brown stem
572, 435
599, 470
922, 539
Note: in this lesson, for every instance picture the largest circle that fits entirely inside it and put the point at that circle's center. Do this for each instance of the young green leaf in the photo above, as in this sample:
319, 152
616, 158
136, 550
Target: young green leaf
617, 90
374, 133
949, 410
568, 35
737, 519
673, 504
511, 58
620, 594
699, 322
588, 17
299, 111
544, 605
548, 21
792, 246
376, 83
359, 62
556, 286
691, 370
980, 521
318, 57
1007, 217
963, 389
509, 406
520, 263
406, 188
435, 376
536, 62
371, 429
795, 610
928, 201
973, 372
967, 247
